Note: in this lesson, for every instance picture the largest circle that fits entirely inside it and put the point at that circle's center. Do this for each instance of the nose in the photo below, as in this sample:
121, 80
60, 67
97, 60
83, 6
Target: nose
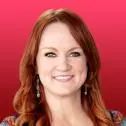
63, 64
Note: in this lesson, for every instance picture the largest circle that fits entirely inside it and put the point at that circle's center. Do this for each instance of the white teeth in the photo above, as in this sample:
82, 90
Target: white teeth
62, 77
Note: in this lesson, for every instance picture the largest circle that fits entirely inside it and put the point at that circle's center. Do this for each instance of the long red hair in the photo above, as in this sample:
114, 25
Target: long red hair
34, 111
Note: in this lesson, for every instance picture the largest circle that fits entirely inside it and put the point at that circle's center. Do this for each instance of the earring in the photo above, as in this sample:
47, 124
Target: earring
86, 86
37, 86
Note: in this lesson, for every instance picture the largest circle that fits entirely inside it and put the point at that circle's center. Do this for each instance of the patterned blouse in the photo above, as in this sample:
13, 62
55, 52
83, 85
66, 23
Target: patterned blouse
117, 118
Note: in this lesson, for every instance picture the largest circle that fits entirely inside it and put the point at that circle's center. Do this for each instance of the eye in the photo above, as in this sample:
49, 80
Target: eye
75, 54
50, 54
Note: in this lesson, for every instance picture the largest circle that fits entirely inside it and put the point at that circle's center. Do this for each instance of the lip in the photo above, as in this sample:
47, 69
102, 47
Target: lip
62, 75
63, 78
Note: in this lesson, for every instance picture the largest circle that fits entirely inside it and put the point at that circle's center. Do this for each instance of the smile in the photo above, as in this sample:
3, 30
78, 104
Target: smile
63, 78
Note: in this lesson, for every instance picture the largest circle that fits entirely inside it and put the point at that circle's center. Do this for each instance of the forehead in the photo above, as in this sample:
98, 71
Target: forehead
57, 34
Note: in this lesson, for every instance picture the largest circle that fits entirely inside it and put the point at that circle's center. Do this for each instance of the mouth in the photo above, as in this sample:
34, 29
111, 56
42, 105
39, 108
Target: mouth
63, 78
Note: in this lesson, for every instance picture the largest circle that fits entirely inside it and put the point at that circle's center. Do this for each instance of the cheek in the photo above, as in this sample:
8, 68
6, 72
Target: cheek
44, 71
82, 72
80, 69
44, 67
80, 66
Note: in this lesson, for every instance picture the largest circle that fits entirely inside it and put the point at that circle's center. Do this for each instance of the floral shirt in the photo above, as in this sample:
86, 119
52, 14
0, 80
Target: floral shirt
117, 118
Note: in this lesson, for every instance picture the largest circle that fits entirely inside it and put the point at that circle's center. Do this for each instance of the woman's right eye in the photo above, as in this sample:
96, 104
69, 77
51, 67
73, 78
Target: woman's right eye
50, 54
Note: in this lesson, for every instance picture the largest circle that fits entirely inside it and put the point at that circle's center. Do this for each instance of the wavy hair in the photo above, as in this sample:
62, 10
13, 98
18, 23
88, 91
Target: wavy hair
33, 111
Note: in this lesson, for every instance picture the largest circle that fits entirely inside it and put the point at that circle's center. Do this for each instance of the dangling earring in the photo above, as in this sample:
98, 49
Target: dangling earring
37, 86
86, 86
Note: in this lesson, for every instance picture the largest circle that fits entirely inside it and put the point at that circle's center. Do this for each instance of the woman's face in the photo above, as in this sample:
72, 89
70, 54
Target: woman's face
61, 63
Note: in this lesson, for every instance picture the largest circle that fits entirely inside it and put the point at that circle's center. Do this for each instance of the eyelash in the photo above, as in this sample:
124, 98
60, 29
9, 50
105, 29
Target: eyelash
51, 54
76, 54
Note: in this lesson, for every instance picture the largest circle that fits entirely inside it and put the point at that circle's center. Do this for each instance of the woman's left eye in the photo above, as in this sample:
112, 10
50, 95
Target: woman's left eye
75, 54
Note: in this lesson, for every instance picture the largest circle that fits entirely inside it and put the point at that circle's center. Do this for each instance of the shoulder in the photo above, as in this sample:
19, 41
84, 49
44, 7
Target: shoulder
8, 121
118, 118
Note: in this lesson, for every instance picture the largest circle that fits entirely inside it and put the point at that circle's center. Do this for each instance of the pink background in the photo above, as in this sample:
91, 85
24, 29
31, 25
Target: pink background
106, 20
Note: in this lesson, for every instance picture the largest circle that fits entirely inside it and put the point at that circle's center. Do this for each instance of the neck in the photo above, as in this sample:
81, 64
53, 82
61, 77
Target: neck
65, 107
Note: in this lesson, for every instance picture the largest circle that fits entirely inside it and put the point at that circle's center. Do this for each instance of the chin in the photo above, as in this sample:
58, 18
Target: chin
64, 92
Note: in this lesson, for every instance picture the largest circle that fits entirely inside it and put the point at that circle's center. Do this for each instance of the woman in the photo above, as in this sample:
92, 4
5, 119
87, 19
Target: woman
59, 76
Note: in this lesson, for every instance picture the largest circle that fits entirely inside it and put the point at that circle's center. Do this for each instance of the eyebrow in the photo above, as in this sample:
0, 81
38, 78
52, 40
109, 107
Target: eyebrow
52, 48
